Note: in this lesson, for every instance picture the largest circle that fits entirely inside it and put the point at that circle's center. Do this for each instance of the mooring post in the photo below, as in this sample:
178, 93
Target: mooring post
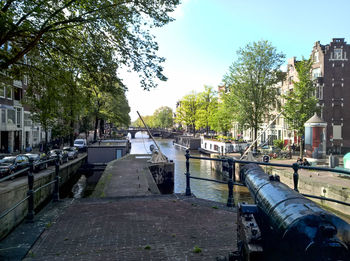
188, 188
230, 200
30, 193
56, 192
295, 176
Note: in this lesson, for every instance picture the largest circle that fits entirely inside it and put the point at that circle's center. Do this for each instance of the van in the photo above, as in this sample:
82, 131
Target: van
80, 144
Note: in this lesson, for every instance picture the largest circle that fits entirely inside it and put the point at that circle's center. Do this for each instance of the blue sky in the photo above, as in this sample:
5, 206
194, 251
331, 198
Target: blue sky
201, 44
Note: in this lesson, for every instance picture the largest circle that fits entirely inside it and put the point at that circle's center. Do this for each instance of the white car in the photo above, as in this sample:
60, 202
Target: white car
80, 144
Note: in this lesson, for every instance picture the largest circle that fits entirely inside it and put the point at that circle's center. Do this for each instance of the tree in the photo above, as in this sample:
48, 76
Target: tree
186, 112
163, 117
252, 80
43, 97
221, 121
301, 102
208, 103
122, 25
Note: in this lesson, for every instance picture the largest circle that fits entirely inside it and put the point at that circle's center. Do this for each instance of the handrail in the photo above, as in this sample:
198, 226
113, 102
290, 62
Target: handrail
231, 181
31, 192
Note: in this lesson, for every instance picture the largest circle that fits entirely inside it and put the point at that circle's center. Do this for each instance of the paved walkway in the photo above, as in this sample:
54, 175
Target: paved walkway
129, 220
126, 177
139, 228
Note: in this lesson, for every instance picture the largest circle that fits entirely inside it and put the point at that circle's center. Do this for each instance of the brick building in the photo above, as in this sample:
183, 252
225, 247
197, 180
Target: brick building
16, 127
331, 72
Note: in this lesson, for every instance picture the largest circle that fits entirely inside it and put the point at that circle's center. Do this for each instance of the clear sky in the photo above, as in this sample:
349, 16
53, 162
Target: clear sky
201, 44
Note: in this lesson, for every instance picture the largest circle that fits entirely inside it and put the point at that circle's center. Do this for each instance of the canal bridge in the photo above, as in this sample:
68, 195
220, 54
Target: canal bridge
156, 132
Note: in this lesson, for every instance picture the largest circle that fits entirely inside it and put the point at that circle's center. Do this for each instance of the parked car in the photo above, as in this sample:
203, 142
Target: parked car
62, 154
72, 152
11, 164
38, 161
80, 144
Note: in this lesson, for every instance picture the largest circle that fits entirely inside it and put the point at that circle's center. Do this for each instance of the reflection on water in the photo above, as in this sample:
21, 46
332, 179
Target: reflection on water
199, 168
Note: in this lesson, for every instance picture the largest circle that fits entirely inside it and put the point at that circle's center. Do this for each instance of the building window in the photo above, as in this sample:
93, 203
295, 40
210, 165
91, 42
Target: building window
17, 94
9, 93
3, 116
19, 118
338, 53
316, 58
316, 73
11, 116
290, 80
2, 91
337, 132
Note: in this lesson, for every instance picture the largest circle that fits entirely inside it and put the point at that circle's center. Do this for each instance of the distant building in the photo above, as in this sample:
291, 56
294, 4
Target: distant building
331, 72
16, 127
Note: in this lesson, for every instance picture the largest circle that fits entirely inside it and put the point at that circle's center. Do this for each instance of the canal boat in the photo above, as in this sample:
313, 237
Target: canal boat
209, 146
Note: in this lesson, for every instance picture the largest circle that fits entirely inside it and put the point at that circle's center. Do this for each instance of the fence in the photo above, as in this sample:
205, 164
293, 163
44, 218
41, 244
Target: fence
231, 181
31, 192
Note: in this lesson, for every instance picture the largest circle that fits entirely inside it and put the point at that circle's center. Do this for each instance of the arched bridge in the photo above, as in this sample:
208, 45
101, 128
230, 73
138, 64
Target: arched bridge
156, 132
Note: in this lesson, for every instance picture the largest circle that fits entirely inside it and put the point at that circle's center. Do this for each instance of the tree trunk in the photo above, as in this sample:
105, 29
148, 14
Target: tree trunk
71, 134
95, 130
46, 141
102, 127
255, 136
301, 149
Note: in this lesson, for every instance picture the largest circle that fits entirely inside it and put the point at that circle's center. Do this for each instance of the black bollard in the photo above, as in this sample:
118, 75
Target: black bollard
56, 192
295, 176
188, 188
30, 193
230, 200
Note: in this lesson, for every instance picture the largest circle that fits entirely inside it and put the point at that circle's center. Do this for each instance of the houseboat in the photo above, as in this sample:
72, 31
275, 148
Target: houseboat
209, 146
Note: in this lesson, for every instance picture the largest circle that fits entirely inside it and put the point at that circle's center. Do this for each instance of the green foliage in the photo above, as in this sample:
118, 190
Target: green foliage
208, 105
252, 80
197, 250
221, 120
300, 103
186, 112
122, 26
278, 144
163, 117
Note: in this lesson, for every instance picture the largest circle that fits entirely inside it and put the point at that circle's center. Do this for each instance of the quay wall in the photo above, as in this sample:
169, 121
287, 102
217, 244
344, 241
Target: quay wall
12, 192
309, 184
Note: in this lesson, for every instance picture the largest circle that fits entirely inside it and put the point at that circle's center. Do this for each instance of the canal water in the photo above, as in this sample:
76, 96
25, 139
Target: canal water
199, 168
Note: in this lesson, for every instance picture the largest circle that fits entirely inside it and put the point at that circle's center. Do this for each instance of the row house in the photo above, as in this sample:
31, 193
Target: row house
331, 76
331, 72
17, 130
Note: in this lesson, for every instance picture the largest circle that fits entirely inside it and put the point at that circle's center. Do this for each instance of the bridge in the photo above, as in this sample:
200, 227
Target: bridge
156, 132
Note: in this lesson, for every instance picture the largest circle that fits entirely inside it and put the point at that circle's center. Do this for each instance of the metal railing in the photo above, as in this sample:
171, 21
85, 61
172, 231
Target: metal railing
31, 192
232, 182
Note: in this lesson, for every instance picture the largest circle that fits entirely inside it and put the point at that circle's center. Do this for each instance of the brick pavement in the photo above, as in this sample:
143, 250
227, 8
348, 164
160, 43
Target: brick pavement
161, 227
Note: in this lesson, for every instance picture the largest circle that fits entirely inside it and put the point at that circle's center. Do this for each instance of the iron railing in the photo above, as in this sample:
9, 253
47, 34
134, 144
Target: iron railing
232, 182
31, 192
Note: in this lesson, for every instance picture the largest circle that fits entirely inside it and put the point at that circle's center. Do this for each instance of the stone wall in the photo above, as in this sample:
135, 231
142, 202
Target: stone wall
12, 192
310, 185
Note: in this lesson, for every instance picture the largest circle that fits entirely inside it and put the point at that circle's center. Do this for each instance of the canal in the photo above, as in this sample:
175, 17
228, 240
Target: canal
199, 168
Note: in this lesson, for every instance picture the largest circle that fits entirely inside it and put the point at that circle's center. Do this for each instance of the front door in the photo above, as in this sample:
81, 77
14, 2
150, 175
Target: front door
4, 146
118, 153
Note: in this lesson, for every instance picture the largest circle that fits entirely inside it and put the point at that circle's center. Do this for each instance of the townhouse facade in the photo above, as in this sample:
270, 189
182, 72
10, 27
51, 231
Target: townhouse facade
331, 73
17, 129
